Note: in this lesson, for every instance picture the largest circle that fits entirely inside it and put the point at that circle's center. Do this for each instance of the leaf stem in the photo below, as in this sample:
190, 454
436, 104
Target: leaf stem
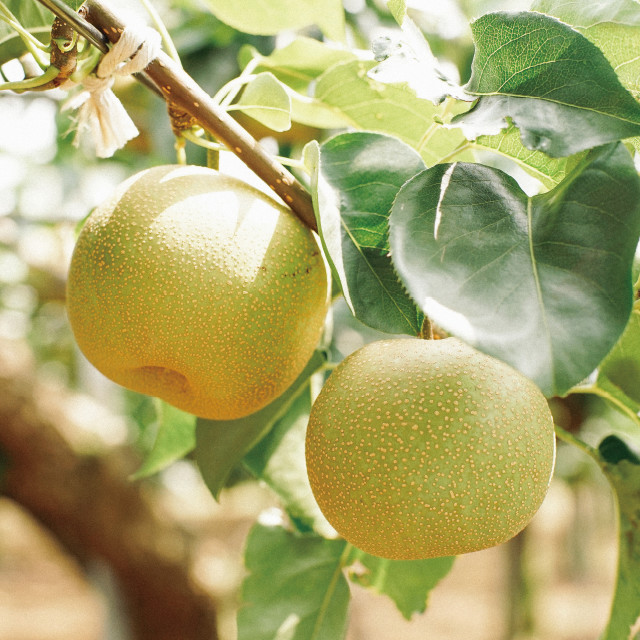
463, 146
569, 438
216, 146
162, 29
326, 601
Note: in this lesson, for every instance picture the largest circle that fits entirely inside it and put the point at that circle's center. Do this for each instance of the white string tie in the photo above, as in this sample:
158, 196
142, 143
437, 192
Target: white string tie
100, 112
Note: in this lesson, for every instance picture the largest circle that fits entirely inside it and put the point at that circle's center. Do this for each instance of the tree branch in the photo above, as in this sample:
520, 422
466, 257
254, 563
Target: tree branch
89, 504
182, 92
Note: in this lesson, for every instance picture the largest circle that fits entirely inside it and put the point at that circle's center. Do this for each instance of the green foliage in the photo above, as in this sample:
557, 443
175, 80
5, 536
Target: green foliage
556, 86
394, 110
298, 63
353, 209
543, 283
33, 17
296, 589
549, 171
278, 460
267, 101
407, 582
175, 438
540, 281
221, 444
256, 16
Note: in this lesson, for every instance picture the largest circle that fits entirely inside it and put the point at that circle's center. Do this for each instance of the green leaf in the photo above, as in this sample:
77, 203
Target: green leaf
407, 582
612, 25
175, 438
618, 377
407, 60
555, 85
398, 9
542, 283
624, 478
278, 460
613, 450
395, 110
295, 589
269, 18
221, 444
266, 100
33, 17
549, 171
298, 63
356, 179
315, 113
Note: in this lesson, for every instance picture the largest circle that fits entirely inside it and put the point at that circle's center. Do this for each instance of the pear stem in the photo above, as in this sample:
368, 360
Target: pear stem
181, 91
426, 330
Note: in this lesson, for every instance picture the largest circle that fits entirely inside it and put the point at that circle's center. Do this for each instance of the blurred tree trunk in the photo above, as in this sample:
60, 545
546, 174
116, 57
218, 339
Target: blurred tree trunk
91, 506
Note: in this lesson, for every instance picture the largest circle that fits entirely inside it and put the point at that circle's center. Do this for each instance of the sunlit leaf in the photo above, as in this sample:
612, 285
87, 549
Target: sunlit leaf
407, 582
175, 438
266, 100
384, 108
357, 177
298, 63
295, 589
555, 85
612, 25
398, 9
549, 171
543, 283
221, 444
269, 18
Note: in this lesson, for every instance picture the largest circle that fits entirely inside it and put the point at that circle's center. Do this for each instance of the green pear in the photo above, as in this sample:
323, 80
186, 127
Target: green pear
424, 448
197, 288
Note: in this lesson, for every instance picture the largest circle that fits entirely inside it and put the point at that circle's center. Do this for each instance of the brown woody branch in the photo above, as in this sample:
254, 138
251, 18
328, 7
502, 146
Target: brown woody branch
183, 93
90, 505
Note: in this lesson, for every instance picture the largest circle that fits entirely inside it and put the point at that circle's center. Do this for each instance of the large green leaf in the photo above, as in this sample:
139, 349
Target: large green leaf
543, 283
612, 25
221, 444
356, 179
174, 439
295, 590
407, 582
395, 110
278, 460
623, 472
554, 84
269, 18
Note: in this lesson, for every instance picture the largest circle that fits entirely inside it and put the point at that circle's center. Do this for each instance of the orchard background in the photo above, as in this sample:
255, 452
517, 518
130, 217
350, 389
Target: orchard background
122, 517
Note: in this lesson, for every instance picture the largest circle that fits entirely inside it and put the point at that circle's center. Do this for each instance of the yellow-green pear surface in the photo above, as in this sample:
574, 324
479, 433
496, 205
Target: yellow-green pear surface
427, 448
197, 288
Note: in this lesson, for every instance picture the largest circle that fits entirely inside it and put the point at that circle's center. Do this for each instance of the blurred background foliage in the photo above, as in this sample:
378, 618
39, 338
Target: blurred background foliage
554, 581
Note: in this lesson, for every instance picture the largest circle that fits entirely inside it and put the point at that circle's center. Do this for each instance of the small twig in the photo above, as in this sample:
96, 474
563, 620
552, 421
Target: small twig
569, 438
181, 91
